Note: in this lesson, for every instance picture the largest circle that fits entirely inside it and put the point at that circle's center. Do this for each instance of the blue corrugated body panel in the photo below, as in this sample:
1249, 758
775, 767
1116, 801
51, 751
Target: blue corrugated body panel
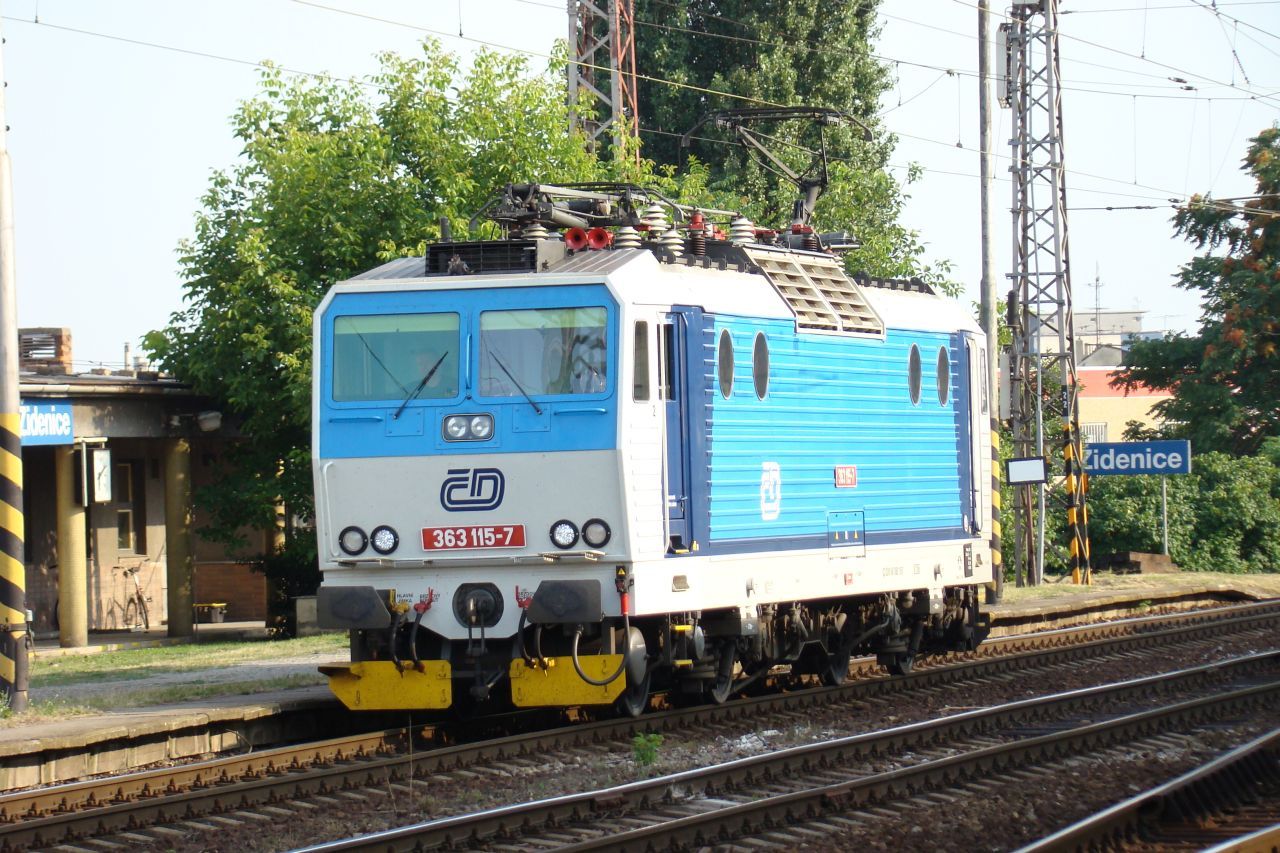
834, 402
368, 428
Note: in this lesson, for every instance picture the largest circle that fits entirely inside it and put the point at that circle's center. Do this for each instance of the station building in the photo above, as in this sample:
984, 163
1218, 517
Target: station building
111, 460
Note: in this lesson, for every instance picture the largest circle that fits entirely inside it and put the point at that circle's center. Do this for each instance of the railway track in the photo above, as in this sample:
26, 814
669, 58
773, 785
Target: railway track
1231, 803
803, 785
177, 796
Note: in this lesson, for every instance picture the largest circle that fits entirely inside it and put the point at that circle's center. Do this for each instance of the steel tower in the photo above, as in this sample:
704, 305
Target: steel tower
603, 60
1042, 366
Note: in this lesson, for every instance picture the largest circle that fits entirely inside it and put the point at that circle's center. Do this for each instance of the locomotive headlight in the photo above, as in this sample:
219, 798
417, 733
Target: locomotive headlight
595, 532
455, 428
384, 539
481, 427
352, 540
468, 427
564, 534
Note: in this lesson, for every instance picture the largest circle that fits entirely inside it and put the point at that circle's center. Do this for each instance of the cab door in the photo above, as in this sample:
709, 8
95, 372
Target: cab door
673, 390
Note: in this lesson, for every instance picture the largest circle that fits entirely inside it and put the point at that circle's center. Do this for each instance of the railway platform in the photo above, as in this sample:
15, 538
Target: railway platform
46, 645
112, 742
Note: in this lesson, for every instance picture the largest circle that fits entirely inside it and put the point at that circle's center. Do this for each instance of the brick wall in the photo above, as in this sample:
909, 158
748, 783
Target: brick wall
243, 589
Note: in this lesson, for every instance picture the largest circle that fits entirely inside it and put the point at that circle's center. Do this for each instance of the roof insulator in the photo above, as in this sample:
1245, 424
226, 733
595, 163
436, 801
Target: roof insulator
626, 237
741, 230
656, 218
673, 242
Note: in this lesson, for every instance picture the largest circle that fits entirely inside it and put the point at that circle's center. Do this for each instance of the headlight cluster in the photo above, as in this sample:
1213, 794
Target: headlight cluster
353, 541
468, 427
595, 533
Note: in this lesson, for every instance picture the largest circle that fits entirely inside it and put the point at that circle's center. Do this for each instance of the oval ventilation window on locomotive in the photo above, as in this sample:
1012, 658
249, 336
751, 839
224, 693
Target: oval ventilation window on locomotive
944, 376
913, 375
724, 367
760, 365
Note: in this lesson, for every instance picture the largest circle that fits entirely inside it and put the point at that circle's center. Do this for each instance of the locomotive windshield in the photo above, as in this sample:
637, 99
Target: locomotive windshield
386, 356
543, 351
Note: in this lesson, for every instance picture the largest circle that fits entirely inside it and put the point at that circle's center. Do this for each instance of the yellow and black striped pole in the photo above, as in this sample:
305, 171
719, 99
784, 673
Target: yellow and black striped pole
13, 570
997, 556
1077, 509
13, 605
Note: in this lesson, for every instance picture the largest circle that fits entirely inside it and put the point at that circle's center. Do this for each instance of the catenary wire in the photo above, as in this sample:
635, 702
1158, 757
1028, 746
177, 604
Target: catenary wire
668, 3
705, 90
1182, 72
373, 86
1173, 203
1073, 86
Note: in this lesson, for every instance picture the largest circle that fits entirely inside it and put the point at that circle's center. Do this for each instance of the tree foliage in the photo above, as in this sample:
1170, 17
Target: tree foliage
751, 53
1225, 380
334, 177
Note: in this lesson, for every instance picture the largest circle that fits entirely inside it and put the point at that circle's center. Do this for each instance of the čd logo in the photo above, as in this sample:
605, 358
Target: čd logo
472, 489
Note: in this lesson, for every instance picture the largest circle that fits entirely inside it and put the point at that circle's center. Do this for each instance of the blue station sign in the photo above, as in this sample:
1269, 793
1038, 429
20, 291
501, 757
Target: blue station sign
47, 423
1138, 457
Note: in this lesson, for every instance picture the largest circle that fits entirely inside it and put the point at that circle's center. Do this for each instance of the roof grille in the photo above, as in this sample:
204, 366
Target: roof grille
819, 293
483, 256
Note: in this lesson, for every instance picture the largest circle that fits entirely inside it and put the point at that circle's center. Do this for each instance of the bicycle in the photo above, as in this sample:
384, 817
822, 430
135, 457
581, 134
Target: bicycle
135, 609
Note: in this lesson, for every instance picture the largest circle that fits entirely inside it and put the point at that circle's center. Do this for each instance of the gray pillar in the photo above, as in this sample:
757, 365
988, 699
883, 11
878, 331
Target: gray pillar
177, 537
73, 574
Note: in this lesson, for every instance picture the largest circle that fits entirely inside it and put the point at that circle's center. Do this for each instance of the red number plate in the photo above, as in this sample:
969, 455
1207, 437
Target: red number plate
473, 536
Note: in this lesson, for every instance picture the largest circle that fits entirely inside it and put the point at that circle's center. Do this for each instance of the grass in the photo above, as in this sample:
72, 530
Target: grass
1104, 582
129, 664
54, 710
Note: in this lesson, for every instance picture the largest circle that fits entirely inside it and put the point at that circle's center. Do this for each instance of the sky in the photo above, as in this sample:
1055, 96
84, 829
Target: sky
119, 113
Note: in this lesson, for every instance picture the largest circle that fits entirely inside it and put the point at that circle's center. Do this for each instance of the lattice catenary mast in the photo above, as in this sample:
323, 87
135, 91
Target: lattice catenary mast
602, 70
1042, 367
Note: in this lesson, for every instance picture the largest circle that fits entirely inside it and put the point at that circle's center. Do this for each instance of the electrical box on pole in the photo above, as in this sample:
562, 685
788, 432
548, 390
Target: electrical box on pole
1045, 418
602, 71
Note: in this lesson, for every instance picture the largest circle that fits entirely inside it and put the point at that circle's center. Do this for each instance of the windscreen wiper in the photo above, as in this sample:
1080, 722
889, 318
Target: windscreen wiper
514, 382
416, 391
379, 361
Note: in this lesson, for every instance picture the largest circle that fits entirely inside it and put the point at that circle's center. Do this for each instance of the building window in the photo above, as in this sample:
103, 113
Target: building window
1095, 433
127, 504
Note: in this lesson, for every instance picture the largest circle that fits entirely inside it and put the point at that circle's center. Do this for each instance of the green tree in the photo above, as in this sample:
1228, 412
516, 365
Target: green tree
1225, 380
334, 177
777, 52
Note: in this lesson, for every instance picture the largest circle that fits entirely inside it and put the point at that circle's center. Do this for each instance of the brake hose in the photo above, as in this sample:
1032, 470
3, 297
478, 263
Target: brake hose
622, 665
413, 637
395, 627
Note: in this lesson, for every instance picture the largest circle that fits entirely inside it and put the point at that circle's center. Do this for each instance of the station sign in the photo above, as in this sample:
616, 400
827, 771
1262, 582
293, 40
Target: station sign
47, 423
1138, 457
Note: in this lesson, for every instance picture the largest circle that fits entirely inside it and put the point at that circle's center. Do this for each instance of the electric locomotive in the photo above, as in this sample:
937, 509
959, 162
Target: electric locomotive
634, 447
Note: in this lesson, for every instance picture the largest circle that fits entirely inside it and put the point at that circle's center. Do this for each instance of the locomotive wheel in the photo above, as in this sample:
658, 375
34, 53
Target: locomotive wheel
901, 664
836, 671
634, 700
722, 687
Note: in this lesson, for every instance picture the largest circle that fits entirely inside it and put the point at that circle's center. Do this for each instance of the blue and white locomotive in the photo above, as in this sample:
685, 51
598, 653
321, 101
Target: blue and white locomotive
579, 468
